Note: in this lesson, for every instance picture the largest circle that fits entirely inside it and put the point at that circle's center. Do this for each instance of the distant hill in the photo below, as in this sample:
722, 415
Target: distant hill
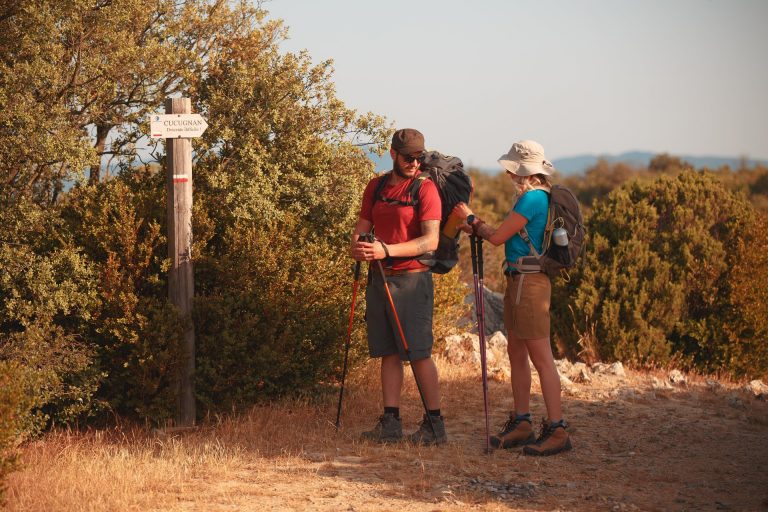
580, 163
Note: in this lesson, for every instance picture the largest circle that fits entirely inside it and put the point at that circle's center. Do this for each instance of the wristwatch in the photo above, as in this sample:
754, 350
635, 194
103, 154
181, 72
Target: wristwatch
470, 219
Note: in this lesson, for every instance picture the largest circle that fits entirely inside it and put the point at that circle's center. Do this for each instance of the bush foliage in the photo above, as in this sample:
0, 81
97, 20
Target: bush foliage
662, 278
83, 264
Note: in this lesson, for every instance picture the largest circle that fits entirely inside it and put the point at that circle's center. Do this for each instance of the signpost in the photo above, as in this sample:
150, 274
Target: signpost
173, 126
178, 125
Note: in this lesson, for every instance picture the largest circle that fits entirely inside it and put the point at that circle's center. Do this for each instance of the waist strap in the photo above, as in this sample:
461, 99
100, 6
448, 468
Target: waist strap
524, 265
390, 272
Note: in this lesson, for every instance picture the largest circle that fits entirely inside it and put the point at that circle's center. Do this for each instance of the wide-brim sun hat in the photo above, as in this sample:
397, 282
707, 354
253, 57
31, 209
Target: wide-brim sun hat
526, 158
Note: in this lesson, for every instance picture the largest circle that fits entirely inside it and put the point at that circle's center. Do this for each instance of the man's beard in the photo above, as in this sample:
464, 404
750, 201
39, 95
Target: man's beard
399, 170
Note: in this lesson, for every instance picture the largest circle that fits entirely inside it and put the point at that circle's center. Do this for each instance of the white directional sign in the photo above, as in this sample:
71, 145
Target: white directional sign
174, 126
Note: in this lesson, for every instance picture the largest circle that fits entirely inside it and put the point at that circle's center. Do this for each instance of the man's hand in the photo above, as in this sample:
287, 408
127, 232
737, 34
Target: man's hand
368, 251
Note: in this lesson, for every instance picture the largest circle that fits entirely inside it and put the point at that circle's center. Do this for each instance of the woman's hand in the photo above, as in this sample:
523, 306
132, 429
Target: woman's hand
462, 211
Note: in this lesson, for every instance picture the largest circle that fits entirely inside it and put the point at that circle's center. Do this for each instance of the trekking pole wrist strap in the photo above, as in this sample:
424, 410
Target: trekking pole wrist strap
386, 250
476, 223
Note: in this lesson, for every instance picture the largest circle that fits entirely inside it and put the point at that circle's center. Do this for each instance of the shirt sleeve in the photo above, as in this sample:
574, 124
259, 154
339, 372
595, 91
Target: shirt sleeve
366, 208
430, 206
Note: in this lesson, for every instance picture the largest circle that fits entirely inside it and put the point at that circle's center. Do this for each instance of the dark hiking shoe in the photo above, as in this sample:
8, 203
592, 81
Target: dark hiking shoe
515, 432
425, 434
552, 440
389, 429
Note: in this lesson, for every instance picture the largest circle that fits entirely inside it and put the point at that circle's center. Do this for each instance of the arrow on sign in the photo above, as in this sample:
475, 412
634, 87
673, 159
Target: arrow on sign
174, 126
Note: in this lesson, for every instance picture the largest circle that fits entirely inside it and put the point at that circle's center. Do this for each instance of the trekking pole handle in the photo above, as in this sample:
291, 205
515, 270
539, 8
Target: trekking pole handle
480, 257
357, 271
473, 252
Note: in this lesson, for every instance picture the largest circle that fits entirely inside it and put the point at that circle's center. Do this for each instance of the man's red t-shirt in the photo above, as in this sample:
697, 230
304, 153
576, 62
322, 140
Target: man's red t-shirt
395, 223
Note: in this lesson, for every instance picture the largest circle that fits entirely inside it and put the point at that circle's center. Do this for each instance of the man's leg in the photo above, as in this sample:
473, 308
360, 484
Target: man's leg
391, 379
426, 371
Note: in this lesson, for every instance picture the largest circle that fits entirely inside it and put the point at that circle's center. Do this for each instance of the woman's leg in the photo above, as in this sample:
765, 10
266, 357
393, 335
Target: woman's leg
521, 374
542, 358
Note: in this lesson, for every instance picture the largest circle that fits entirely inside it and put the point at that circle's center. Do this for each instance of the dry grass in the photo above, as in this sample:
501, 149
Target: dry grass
629, 454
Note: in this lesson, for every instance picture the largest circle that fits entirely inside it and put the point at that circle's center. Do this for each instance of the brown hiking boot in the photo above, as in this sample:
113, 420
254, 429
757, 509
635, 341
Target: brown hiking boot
425, 434
515, 432
552, 440
389, 429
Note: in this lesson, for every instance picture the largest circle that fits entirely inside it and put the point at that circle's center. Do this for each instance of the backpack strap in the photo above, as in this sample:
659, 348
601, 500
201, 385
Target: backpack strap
413, 191
413, 200
524, 235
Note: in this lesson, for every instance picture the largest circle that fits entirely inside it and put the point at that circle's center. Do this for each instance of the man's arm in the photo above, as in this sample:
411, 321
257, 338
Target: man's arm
430, 236
361, 251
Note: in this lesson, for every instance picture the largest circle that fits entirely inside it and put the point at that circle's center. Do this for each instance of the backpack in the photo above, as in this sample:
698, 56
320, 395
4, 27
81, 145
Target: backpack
564, 212
454, 186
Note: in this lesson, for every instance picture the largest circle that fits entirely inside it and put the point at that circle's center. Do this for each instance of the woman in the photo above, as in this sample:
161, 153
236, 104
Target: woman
526, 301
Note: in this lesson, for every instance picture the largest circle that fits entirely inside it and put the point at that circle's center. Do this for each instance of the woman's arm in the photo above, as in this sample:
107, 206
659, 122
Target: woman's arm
497, 236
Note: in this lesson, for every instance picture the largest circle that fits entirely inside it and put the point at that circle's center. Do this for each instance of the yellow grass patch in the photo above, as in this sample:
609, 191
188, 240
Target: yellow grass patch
689, 447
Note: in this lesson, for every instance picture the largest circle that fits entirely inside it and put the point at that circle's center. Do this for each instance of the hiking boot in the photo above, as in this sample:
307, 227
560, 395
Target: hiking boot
553, 439
515, 432
425, 435
389, 429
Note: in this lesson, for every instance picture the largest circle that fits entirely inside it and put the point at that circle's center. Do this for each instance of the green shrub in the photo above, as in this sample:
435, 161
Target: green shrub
655, 282
15, 404
274, 319
47, 301
450, 293
136, 332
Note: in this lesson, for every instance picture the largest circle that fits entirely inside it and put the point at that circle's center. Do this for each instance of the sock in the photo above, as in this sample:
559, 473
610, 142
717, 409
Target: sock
521, 417
392, 410
434, 412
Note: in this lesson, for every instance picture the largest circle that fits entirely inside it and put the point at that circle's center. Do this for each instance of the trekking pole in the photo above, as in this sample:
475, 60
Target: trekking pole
476, 246
349, 340
403, 341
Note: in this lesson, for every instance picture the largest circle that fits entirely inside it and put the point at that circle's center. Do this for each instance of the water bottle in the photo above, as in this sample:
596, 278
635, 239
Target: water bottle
560, 237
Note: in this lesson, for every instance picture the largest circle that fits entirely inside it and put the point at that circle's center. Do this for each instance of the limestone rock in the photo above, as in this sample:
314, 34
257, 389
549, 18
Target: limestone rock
497, 341
676, 377
758, 389
460, 347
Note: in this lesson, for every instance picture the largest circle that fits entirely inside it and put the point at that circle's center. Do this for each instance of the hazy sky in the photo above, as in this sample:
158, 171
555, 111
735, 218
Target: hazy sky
604, 77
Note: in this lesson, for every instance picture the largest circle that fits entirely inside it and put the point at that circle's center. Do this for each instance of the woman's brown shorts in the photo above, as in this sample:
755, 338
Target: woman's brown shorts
526, 306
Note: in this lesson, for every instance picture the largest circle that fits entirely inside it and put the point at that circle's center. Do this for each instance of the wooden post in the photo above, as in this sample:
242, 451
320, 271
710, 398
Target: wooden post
181, 280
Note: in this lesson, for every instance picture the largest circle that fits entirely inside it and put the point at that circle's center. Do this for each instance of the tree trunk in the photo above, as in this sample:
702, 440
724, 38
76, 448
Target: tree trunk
102, 130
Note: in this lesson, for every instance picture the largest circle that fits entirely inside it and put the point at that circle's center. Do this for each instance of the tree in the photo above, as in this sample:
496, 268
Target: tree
280, 168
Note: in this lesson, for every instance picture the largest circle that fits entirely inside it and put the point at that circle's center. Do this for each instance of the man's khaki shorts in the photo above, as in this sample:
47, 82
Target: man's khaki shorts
526, 306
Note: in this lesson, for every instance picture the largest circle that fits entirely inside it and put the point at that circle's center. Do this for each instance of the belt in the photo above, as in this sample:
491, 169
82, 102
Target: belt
509, 271
391, 272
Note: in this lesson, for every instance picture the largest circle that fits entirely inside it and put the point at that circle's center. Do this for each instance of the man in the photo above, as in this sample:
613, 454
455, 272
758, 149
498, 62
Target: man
403, 232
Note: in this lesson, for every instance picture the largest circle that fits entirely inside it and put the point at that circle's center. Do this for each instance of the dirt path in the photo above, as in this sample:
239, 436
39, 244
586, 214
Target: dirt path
637, 446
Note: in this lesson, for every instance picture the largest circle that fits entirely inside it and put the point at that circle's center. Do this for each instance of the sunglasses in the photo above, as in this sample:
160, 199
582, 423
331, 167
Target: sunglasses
410, 159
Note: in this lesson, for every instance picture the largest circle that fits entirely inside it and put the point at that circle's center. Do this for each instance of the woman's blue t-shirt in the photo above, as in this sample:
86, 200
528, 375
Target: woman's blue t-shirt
533, 205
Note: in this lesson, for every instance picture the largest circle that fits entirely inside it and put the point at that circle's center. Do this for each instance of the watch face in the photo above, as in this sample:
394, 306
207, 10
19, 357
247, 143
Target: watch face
470, 219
